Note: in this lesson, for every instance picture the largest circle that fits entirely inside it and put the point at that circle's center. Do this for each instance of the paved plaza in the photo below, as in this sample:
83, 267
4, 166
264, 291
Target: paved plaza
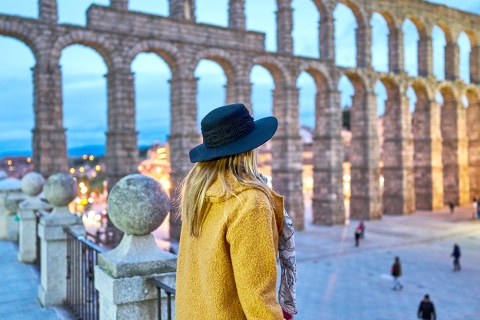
337, 280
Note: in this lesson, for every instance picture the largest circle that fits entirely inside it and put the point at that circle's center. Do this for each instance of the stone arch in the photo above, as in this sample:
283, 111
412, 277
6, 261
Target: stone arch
319, 73
419, 24
473, 135
359, 14
278, 71
97, 42
473, 94
222, 57
365, 200
446, 31
25, 35
363, 34
168, 52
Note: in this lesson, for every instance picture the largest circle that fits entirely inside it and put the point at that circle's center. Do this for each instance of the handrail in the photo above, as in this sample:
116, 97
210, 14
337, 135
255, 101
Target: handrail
169, 291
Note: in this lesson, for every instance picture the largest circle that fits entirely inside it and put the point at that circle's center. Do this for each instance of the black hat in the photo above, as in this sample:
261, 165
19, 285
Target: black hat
230, 130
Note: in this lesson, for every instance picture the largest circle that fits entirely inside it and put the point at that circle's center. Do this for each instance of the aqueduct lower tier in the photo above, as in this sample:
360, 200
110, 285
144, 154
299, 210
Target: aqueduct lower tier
436, 161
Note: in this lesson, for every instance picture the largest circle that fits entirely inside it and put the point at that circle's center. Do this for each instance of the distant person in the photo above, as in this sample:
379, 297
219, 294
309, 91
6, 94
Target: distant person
358, 232
474, 207
456, 257
361, 226
452, 207
396, 273
426, 309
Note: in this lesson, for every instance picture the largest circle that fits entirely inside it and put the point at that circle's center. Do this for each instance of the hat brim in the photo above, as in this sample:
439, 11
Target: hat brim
264, 129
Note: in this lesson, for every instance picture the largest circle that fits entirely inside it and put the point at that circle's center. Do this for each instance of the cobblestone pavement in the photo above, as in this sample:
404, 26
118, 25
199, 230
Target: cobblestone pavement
337, 280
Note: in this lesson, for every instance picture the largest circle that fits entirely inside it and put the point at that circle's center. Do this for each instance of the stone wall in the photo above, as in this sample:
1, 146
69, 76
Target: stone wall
413, 159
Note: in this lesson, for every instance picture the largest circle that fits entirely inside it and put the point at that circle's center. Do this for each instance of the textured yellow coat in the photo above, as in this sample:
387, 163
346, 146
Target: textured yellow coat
230, 271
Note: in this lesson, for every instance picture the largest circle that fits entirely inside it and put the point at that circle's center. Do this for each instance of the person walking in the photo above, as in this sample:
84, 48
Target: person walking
456, 257
358, 233
233, 226
452, 207
426, 309
361, 226
396, 273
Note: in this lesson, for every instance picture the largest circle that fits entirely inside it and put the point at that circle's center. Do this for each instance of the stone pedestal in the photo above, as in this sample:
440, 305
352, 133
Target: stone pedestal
60, 190
7, 187
11, 204
137, 206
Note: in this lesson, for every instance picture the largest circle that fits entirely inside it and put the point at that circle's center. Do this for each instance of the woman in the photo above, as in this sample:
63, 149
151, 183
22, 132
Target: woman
231, 224
396, 274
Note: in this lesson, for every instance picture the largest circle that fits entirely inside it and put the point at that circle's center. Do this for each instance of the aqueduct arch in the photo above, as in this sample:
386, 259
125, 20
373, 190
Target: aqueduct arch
182, 43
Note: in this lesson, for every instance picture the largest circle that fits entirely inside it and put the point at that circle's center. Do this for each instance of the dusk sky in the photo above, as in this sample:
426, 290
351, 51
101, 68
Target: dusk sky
84, 84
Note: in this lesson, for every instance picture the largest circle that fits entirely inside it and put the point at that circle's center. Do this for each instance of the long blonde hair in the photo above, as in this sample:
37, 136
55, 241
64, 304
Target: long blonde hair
203, 174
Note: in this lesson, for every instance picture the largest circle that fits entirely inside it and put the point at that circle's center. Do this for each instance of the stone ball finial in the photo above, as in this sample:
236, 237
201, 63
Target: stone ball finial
137, 204
60, 189
32, 184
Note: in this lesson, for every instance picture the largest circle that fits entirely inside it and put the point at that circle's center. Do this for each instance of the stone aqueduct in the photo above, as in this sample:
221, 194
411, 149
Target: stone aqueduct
435, 162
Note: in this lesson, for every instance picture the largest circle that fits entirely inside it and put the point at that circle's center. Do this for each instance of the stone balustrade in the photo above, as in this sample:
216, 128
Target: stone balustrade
10, 197
137, 205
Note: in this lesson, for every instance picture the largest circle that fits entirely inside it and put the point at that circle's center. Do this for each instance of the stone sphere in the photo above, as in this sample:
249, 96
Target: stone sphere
32, 183
60, 189
137, 204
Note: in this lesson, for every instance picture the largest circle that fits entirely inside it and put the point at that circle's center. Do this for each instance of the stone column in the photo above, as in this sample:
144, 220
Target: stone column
7, 188
452, 60
121, 276
475, 65
365, 201
473, 119
328, 200
119, 4
327, 37
456, 183
287, 152
60, 190
32, 185
395, 51
183, 136
428, 169
425, 56
122, 149
399, 191
236, 14
49, 140
284, 26
239, 90
364, 44
48, 11
182, 9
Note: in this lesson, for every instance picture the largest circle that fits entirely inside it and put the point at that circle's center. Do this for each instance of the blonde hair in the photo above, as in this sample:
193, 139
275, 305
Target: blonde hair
243, 166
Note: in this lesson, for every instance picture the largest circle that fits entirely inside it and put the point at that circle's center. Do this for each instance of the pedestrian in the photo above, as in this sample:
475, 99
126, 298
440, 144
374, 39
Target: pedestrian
358, 232
456, 257
361, 226
452, 207
233, 226
474, 207
426, 309
396, 273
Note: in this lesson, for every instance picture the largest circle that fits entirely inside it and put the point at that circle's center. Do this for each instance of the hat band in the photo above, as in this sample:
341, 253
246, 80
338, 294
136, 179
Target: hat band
228, 132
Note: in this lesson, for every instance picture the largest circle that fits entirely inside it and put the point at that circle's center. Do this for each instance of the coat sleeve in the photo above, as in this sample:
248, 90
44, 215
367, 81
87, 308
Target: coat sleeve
251, 234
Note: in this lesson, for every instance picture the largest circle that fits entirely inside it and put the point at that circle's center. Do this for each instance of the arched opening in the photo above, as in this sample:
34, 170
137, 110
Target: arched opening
84, 102
346, 93
380, 51
261, 16
16, 100
465, 47
152, 99
456, 183
438, 47
23, 8
212, 12
306, 18
74, 12
410, 47
345, 36
427, 142
473, 134
157, 7
307, 97
211, 88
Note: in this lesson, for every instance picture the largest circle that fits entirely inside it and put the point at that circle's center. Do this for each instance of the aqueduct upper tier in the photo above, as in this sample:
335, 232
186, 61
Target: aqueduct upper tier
437, 160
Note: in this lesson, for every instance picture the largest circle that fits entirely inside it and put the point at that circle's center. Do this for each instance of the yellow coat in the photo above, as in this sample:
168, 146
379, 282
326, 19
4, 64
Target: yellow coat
230, 271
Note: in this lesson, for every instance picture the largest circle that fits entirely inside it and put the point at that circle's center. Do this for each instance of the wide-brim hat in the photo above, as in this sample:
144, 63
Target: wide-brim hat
230, 130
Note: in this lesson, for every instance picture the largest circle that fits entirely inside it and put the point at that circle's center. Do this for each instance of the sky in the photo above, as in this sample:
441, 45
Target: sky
84, 82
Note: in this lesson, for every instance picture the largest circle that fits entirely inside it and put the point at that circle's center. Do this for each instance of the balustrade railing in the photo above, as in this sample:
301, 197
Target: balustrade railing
82, 297
169, 292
